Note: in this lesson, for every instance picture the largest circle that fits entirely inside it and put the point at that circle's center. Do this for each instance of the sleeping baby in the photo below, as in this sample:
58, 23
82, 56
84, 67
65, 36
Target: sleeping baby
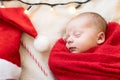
85, 31
97, 45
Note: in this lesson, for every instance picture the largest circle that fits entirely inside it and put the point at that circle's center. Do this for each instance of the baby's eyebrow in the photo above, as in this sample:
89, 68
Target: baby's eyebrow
78, 32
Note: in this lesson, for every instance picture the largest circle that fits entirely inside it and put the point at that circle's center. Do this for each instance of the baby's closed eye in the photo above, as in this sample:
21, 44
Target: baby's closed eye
77, 35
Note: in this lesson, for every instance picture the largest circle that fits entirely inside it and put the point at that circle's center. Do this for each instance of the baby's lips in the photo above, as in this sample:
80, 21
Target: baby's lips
72, 49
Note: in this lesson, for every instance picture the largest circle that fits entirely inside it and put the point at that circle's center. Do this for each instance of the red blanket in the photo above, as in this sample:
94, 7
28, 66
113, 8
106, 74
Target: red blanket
99, 63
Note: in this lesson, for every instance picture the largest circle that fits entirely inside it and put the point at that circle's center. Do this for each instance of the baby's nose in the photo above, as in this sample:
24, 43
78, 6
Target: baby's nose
70, 39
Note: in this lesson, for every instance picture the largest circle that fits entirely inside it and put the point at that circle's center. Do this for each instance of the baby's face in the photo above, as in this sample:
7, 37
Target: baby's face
80, 35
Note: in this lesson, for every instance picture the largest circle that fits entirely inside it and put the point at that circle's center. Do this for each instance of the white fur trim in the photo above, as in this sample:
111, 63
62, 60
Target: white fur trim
41, 43
9, 70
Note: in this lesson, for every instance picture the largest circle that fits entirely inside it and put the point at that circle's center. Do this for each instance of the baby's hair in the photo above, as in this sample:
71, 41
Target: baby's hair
96, 18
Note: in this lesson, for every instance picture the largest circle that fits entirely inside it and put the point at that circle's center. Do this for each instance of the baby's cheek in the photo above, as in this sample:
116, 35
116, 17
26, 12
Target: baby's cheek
80, 42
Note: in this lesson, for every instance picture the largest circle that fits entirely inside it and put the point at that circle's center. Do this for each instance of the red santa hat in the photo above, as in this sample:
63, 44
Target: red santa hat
13, 22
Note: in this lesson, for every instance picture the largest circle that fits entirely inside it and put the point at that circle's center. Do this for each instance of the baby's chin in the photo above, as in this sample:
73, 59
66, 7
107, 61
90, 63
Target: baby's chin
77, 52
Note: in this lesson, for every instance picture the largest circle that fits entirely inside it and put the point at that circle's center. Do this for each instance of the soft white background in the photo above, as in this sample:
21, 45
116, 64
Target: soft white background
51, 24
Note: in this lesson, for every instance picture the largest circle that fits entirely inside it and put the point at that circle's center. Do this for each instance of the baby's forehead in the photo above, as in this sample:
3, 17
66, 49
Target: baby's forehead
82, 19
77, 28
87, 20
80, 22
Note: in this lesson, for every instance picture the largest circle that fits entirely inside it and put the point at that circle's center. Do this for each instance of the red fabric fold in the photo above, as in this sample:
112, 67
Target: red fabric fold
13, 22
17, 18
99, 63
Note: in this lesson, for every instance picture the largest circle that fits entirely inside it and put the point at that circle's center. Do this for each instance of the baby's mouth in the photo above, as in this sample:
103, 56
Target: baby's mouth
72, 49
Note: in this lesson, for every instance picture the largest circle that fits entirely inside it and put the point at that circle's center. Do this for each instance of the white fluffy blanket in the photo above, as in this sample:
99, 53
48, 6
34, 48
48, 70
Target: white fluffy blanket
50, 26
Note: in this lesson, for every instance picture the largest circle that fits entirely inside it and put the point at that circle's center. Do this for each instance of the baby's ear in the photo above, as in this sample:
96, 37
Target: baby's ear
101, 37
